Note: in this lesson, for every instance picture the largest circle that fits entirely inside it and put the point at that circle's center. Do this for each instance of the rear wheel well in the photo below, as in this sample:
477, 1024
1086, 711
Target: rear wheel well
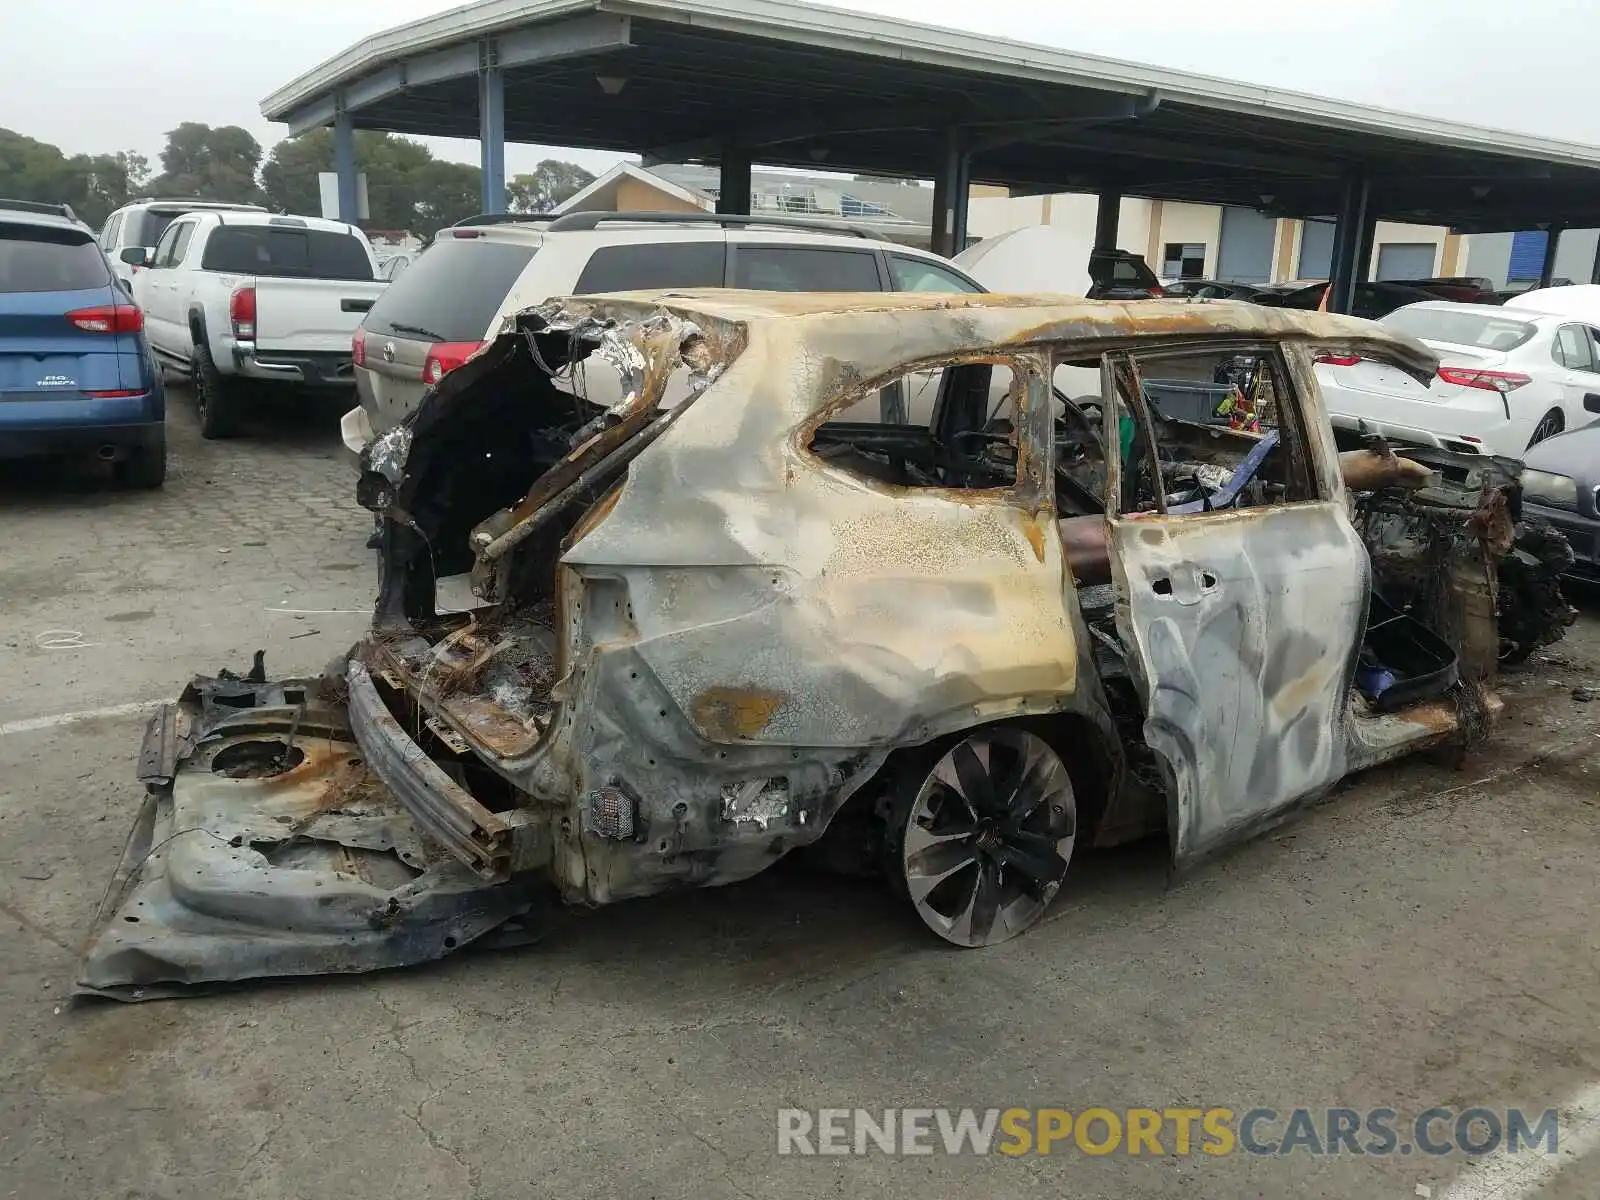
197, 328
1560, 419
1081, 743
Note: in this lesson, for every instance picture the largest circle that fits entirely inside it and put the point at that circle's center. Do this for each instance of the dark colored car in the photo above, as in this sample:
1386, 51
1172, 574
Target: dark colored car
1372, 300
1562, 486
1465, 289
76, 375
1213, 289
1121, 275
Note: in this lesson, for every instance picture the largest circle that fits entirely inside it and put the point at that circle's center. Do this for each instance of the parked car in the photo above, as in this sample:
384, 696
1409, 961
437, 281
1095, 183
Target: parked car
1507, 379
957, 651
1580, 301
1121, 275
453, 299
142, 224
1468, 289
238, 298
76, 376
1371, 300
1211, 289
1562, 486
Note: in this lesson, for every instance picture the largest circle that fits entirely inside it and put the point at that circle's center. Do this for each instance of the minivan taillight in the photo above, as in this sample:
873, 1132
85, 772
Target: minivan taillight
242, 312
358, 347
445, 357
108, 318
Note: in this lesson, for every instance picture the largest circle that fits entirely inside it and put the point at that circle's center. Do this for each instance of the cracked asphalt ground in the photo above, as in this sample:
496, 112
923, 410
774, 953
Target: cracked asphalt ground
1427, 937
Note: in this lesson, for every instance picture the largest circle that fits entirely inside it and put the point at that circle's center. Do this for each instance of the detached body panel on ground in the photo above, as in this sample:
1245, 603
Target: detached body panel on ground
710, 632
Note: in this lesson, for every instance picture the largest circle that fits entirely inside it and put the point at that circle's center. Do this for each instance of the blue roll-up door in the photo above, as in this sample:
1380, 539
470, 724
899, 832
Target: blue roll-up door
1316, 250
1527, 254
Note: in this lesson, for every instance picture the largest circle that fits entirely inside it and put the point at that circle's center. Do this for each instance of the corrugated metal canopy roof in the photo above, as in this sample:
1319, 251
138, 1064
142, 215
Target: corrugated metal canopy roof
801, 85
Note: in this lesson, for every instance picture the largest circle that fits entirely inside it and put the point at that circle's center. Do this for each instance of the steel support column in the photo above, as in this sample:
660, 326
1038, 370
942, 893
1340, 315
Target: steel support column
344, 166
1552, 246
1349, 235
733, 192
1107, 216
492, 129
952, 184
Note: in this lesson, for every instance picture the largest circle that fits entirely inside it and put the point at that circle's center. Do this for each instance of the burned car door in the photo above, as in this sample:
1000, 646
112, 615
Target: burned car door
1241, 583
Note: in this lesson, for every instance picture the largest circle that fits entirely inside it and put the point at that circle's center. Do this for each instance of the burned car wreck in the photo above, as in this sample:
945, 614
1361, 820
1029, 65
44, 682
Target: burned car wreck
847, 575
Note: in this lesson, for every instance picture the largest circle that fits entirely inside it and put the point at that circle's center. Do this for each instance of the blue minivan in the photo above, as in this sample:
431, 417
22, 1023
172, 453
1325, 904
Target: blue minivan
76, 375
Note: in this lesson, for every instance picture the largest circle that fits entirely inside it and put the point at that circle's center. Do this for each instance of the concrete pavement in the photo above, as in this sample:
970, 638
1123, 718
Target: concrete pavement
1426, 938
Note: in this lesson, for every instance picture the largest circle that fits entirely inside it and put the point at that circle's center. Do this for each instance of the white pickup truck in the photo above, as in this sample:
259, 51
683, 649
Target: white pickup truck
235, 297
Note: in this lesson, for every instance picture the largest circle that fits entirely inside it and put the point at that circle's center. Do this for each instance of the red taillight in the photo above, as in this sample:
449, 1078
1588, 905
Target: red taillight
242, 312
445, 357
1339, 360
1488, 381
358, 348
108, 318
1157, 291
115, 394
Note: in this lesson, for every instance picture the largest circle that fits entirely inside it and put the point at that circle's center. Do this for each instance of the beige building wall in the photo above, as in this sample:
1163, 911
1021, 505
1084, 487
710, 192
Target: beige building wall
634, 195
1187, 223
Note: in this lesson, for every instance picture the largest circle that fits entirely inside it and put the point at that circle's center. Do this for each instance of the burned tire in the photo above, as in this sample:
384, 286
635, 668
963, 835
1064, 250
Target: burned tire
216, 397
1533, 612
980, 833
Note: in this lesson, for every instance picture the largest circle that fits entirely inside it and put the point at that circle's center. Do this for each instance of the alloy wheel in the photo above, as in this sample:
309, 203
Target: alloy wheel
989, 836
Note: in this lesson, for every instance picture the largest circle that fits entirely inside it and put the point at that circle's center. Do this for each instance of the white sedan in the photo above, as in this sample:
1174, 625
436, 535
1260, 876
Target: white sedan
1507, 378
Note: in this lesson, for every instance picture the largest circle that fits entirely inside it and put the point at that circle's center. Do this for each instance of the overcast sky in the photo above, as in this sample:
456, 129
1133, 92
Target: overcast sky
119, 74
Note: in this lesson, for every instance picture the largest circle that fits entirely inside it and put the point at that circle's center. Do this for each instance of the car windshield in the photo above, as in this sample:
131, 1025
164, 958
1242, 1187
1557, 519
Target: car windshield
274, 250
40, 259
1485, 331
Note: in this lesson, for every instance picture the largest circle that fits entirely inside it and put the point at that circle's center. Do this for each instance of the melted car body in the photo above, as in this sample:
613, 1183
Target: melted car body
851, 575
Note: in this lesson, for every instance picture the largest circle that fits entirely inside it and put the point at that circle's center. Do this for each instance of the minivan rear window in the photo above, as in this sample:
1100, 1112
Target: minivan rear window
1488, 330
42, 259
452, 290
273, 250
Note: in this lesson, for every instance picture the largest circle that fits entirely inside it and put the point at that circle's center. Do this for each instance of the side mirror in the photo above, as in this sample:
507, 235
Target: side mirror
1591, 402
135, 256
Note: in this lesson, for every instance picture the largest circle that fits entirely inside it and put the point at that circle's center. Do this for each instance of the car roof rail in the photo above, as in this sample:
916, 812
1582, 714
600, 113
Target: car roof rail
593, 220
197, 203
41, 207
505, 218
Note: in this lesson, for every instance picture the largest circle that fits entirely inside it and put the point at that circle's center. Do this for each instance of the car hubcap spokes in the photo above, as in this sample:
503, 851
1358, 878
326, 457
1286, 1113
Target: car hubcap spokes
989, 837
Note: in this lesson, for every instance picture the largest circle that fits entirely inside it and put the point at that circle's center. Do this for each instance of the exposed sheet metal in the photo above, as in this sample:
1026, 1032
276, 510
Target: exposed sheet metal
272, 850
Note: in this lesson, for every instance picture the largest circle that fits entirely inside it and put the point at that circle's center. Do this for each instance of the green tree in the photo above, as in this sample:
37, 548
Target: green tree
407, 188
93, 184
209, 163
34, 170
551, 182
106, 182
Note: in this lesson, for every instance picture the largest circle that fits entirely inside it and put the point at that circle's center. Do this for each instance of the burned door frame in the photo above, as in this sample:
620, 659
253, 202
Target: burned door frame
1242, 626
